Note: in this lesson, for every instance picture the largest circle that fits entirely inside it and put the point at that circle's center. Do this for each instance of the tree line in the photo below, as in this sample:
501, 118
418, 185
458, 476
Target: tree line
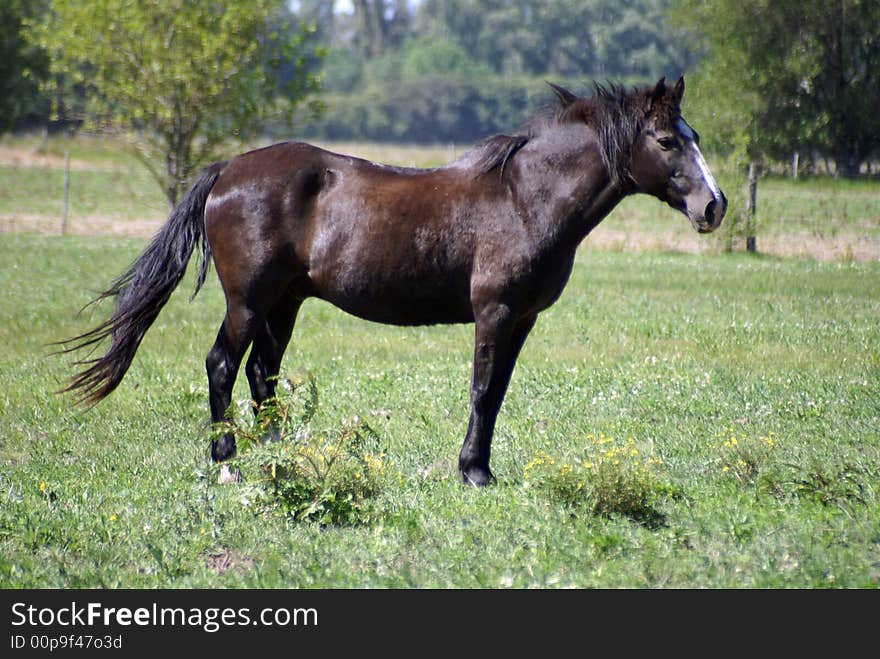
457, 70
178, 78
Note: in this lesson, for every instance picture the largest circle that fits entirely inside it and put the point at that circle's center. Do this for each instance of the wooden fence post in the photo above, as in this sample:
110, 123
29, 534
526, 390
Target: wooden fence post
751, 206
66, 191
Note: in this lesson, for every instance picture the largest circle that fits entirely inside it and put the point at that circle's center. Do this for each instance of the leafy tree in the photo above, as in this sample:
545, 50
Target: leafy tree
791, 74
23, 66
474, 67
431, 109
424, 57
586, 38
178, 78
381, 24
340, 72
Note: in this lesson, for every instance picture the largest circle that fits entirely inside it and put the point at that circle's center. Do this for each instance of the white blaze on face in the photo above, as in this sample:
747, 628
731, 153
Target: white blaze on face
708, 179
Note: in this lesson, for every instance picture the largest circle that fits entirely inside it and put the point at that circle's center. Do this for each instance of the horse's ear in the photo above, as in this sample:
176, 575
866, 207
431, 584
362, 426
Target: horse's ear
656, 95
565, 97
679, 89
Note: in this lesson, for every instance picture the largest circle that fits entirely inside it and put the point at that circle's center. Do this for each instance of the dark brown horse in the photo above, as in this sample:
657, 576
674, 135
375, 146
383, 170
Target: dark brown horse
488, 239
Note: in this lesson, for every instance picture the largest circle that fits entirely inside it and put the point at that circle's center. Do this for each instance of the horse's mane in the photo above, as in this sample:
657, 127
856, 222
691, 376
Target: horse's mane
494, 152
615, 113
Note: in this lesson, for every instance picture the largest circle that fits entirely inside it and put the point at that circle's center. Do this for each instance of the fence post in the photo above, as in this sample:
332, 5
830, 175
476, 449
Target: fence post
751, 206
66, 191
795, 159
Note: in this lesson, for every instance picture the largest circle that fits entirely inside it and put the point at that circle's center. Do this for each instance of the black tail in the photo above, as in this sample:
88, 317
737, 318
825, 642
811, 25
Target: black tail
142, 291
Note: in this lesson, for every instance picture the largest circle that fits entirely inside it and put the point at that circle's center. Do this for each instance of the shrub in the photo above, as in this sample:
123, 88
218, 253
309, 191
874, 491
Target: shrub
828, 484
329, 477
742, 457
605, 477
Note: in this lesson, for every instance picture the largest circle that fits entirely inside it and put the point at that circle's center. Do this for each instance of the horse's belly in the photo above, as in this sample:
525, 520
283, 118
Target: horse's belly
402, 308
398, 273
395, 296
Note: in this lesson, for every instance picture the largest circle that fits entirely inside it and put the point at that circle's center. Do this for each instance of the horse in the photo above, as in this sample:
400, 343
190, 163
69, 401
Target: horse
488, 239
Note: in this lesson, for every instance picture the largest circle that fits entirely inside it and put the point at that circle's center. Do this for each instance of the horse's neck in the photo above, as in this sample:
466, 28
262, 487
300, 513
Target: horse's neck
563, 187
602, 199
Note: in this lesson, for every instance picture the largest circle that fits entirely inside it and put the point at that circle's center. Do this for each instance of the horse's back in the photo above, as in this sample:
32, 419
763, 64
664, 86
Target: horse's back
384, 243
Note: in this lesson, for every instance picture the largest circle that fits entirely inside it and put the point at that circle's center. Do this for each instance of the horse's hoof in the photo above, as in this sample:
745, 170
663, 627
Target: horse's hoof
223, 448
229, 476
476, 477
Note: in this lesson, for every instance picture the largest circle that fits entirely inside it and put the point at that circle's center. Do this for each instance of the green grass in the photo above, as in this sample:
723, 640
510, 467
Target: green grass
842, 208
125, 194
674, 355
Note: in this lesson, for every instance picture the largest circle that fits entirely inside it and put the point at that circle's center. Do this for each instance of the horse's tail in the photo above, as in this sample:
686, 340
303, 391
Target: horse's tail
142, 291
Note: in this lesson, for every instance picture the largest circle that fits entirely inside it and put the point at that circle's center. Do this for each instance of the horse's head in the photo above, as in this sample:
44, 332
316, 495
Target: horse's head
667, 162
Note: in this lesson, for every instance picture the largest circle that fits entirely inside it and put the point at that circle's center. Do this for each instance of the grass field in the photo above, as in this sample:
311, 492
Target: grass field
681, 418
744, 390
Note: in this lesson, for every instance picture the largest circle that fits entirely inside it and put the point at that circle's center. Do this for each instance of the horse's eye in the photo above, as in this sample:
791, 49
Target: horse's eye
667, 143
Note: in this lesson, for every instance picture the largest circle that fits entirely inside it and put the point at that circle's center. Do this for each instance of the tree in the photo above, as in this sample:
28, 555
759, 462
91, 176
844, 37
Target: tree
177, 78
569, 38
839, 44
472, 67
380, 25
23, 66
800, 74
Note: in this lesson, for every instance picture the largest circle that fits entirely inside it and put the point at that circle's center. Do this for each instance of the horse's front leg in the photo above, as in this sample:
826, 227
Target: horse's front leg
499, 336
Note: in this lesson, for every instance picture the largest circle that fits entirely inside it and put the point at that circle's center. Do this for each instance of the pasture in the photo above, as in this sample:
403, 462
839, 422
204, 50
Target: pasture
743, 388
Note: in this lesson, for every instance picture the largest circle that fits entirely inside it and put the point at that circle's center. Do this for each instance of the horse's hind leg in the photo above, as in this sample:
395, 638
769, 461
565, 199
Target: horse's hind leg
270, 342
222, 364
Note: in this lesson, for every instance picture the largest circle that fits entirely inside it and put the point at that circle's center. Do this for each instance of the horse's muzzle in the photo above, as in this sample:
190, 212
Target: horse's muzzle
713, 214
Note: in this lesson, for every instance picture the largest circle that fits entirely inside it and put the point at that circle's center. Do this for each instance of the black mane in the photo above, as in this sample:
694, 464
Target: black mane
614, 112
495, 151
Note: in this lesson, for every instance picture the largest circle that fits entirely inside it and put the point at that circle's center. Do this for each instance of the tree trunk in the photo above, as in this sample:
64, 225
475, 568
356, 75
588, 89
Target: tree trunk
371, 26
849, 165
